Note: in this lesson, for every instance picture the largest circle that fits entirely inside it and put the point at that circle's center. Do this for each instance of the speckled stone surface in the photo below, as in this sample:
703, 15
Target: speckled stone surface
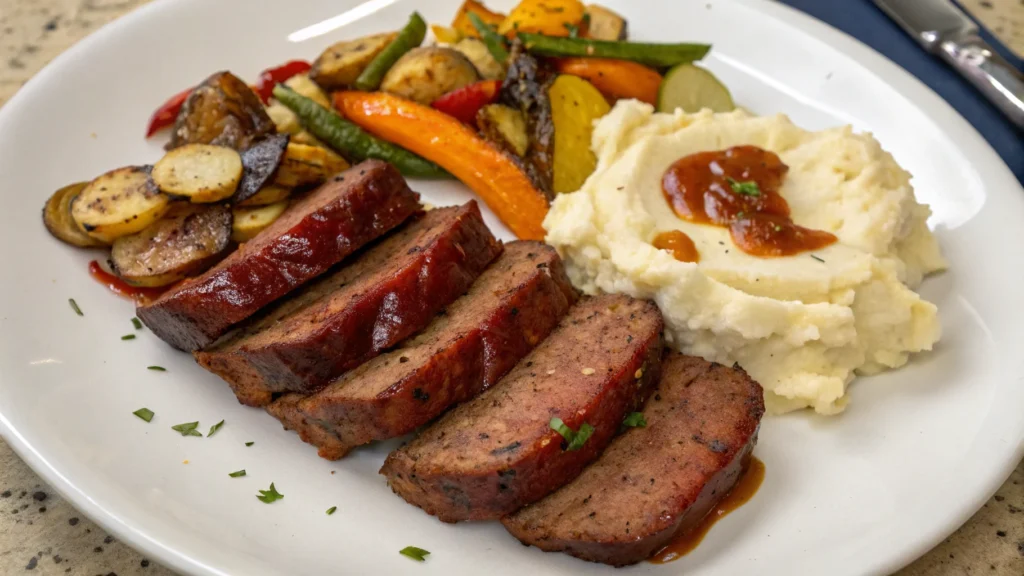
40, 533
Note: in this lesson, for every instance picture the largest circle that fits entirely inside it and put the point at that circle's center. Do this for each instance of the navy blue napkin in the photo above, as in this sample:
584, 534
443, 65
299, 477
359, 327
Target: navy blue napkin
864, 21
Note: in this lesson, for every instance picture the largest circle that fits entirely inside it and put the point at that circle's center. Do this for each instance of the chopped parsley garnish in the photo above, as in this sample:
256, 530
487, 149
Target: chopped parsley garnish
188, 429
748, 188
574, 30
331, 510
635, 420
144, 413
238, 474
818, 259
74, 306
137, 323
417, 554
214, 428
128, 337
156, 368
268, 496
249, 443
575, 439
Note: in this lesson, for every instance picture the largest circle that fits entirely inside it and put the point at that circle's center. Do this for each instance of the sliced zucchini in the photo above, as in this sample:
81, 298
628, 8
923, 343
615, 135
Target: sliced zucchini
248, 222
57, 217
693, 88
505, 126
476, 51
427, 73
119, 203
199, 172
259, 164
603, 24
187, 241
340, 65
305, 165
270, 194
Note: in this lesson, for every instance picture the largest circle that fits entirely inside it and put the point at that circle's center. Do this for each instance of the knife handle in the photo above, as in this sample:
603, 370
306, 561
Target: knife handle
1000, 82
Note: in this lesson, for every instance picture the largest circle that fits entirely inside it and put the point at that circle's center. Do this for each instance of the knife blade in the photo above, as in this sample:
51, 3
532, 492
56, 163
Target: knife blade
943, 29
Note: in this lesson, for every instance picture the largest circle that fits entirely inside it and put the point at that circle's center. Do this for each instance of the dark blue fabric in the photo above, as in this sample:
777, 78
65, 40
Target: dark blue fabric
864, 21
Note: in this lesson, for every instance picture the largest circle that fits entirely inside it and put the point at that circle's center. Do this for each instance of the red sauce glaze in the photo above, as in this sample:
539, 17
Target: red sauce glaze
120, 287
738, 188
677, 243
740, 494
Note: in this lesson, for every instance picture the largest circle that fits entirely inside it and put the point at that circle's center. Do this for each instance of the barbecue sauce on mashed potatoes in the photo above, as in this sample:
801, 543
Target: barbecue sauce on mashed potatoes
802, 325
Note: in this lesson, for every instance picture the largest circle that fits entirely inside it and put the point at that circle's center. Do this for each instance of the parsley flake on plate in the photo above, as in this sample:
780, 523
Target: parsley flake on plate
188, 429
238, 474
214, 428
128, 337
247, 444
156, 368
144, 413
331, 510
271, 495
417, 554
137, 323
74, 306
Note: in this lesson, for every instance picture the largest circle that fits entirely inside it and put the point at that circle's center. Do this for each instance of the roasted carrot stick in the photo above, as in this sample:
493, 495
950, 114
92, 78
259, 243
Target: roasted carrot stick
615, 78
455, 147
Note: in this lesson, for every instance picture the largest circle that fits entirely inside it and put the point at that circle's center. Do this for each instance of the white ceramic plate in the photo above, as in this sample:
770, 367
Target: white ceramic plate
918, 451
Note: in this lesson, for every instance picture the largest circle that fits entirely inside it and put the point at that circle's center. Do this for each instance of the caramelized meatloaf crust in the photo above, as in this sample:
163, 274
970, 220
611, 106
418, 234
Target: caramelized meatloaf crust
658, 481
390, 292
349, 211
497, 452
514, 305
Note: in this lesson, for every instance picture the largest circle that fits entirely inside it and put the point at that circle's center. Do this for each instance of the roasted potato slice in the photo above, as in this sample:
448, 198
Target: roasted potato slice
476, 51
505, 126
305, 86
425, 74
269, 194
187, 241
285, 121
224, 111
341, 63
304, 165
57, 217
259, 165
119, 203
248, 222
199, 172
603, 24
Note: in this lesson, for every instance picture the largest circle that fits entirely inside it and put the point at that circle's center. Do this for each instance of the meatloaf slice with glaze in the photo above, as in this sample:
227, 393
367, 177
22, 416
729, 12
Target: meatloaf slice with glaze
514, 305
498, 452
388, 293
349, 211
659, 481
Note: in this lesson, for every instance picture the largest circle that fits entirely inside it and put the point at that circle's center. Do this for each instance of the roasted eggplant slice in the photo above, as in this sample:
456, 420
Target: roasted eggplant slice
305, 165
269, 194
187, 241
505, 126
476, 51
425, 74
603, 24
526, 88
119, 203
223, 111
340, 65
248, 222
201, 173
57, 217
259, 165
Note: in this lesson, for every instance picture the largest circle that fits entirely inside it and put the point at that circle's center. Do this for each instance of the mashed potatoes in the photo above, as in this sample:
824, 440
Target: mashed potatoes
801, 325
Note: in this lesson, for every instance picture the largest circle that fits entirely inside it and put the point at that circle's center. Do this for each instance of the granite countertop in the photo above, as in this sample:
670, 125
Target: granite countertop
41, 533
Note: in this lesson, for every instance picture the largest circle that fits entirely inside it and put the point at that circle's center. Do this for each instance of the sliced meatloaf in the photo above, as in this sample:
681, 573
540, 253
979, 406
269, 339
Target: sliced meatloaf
658, 481
498, 452
514, 305
351, 210
385, 295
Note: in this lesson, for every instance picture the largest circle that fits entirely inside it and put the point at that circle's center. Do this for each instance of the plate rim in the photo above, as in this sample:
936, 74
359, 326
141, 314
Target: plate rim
929, 103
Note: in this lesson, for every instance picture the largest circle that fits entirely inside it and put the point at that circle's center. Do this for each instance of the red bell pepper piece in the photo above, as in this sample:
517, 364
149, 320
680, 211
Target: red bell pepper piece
273, 76
465, 102
166, 113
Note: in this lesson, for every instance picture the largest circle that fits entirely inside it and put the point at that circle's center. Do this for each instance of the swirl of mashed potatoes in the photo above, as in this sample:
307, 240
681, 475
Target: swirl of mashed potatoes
801, 325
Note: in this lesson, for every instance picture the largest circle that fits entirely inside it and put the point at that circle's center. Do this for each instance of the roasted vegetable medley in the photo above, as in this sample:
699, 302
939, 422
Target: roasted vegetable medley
505, 103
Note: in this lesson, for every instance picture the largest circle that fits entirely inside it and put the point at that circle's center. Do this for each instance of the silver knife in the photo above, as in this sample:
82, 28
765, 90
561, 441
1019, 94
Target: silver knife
944, 29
